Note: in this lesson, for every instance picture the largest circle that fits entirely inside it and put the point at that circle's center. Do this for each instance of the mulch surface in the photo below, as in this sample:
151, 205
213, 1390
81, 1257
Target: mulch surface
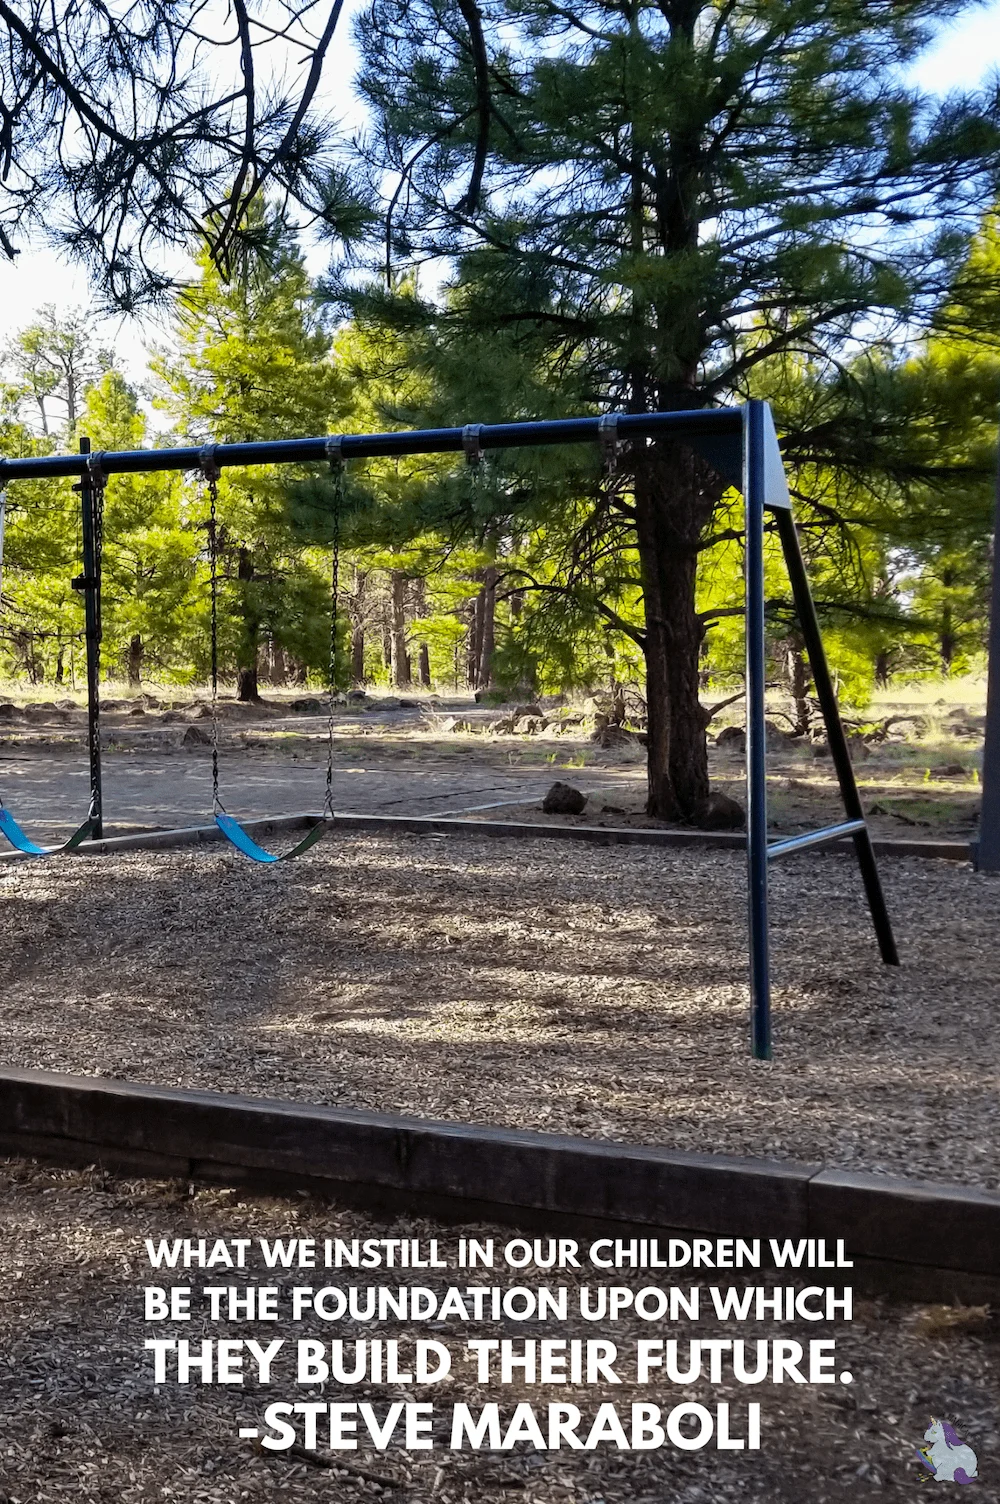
80, 1417
536, 984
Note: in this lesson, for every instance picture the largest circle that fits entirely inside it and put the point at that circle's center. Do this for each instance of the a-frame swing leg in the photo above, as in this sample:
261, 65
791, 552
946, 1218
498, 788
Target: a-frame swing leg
756, 667
762, 490
861, 837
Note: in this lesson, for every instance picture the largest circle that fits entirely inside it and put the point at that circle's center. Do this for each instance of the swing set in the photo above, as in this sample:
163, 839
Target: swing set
741, 445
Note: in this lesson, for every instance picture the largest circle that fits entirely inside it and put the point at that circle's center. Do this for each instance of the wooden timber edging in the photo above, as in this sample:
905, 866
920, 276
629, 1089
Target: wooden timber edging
597, 835
916, 1240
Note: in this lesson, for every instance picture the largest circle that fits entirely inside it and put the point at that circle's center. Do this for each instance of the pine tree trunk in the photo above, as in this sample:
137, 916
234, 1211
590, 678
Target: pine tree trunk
798, 683
35, 669
882, 669
674, 498
487, 640
947, 640
357, 656
246, 669
423, 651
278, 668
400, 661
358, 627
475, 641
136, 653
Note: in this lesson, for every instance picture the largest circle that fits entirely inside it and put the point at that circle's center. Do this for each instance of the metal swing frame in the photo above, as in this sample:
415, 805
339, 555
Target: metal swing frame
739, 442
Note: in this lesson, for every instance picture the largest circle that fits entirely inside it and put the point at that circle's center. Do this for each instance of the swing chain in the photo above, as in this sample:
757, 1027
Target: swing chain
210, 474
334, 450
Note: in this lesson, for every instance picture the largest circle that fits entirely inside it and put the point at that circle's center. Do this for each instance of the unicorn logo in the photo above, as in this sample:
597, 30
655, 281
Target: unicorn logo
946, 1456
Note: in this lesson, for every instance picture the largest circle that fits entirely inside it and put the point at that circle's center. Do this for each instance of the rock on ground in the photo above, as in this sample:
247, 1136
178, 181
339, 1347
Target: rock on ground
720, 812
564, 799
194, 736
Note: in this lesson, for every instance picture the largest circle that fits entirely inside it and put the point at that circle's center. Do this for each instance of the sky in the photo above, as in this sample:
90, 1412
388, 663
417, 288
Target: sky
962, 55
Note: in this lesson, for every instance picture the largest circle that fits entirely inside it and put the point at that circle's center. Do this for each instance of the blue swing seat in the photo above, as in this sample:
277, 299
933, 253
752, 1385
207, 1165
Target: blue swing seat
13, 833
244, 842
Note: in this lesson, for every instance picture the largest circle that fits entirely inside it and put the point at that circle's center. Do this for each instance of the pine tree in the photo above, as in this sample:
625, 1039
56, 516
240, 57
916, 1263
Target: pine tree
148, 600
128, 130
53, 362
895, 457
253, 362
399, 513
642, 203
40, 616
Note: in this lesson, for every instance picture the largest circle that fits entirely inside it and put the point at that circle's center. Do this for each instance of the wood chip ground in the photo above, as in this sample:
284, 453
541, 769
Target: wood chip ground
545, 985
80, 1418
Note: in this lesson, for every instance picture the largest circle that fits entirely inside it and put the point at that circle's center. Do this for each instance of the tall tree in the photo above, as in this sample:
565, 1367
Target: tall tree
253, 362
640, 204
148, 599
53, 361
40, 616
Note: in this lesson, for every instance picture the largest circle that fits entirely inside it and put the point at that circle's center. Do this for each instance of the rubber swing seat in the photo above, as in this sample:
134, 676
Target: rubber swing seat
244, 842
13, 833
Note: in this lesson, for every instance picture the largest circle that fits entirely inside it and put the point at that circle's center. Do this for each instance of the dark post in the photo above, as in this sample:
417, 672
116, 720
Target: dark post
753, 492
987, 852
809, 623
91, 583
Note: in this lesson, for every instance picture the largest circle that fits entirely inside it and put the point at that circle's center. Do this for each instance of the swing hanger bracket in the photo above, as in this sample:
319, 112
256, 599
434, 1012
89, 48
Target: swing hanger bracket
96, 473
607, 433
472, 443
207, 463
335, 451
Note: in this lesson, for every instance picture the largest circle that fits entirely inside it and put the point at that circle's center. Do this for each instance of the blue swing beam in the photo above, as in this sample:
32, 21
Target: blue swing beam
741, 445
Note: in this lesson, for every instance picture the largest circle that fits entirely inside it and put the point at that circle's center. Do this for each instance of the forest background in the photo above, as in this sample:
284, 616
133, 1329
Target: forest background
562, 209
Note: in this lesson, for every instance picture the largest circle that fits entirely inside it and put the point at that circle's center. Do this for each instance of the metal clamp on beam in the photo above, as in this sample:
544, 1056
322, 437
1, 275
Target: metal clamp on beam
472, 443
607, 433
335, 451
96, 473
207, 463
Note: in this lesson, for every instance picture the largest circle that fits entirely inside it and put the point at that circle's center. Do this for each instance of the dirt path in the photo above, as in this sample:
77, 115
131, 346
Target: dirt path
49, 790
412, 758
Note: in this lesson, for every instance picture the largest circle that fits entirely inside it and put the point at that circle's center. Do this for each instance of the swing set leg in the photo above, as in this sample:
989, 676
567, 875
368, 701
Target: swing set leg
756, 770
836, 738
759, 851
